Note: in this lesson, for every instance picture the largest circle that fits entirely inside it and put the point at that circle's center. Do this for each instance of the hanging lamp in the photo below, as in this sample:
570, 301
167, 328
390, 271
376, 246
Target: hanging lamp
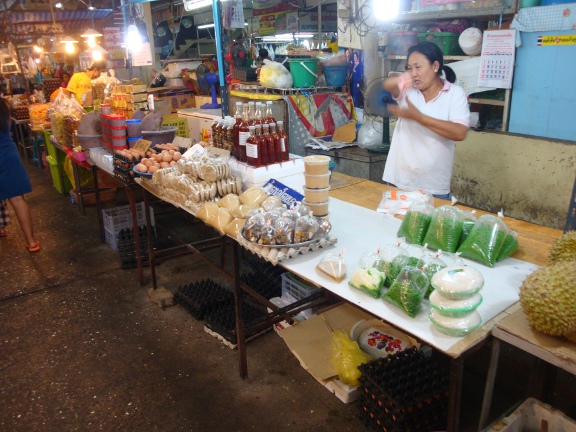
69, 41
91, 36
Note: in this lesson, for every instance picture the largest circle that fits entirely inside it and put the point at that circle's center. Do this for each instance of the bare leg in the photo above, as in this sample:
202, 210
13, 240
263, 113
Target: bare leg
24, 218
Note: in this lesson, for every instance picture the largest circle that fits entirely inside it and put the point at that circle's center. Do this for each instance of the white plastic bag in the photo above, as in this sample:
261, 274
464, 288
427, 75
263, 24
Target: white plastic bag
275, 75
370, 134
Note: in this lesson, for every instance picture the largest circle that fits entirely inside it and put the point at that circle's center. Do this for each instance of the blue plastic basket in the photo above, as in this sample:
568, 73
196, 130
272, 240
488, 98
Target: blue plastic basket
335, 75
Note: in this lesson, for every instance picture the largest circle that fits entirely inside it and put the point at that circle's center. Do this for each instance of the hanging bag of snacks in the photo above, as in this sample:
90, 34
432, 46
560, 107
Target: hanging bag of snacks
416, 222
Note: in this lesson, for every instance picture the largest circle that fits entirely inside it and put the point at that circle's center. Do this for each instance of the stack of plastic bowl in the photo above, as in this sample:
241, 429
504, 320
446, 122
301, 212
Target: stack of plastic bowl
317, 180
455, 298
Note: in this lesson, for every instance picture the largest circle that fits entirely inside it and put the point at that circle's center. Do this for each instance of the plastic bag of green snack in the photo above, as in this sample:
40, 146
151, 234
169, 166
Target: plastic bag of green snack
467, 224
391, 260
416, 222
369, 280
430, 264
445, 229
484, 242
510, 245
408, 290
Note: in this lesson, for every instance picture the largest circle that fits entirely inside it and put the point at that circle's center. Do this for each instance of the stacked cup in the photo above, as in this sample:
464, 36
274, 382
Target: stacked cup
317, 179
455, 298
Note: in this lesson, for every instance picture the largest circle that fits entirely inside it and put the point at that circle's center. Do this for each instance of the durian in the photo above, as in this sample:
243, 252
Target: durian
571, 336
564, 248
548, 297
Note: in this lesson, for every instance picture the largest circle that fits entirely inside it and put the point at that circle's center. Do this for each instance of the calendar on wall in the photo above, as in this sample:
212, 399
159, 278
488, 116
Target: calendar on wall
497, 59
142, 57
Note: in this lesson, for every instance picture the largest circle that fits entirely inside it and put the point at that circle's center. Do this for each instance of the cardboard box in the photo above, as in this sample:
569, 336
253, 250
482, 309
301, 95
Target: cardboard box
201, 100
162, 106
178, 101
311, 343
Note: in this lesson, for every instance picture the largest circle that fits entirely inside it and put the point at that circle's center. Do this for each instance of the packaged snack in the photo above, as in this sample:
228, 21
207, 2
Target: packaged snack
284, 230
484, 242
272, 215
407, 290
430, 264
445, 229
467, 224
455, 326
254, 195
229, 202
458, 282
333, 265
267, 235
271, 202
454, 308
208, 213
244, 210
302, 210
253, 227
369, 280
306, 227
391, 260
235, 227
416, 222
222, 219
510, 245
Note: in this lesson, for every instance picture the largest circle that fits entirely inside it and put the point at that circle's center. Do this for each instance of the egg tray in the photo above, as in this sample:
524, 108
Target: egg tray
404, 391
260, 266
159, 150
125, 175
276, 255
127, 246
221, 322
262, 285
123, 161
202, 297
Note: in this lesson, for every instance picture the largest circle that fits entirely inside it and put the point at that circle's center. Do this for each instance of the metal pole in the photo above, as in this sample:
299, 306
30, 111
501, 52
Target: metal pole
216, 12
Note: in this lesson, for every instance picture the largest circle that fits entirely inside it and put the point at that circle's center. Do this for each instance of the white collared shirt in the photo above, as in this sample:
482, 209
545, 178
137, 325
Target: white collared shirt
420, 158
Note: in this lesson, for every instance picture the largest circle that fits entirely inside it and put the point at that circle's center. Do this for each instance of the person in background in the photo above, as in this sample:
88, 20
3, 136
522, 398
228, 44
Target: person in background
60, 71
80, 82
4, 218
432, 114
14, 181
263, 55
65, 80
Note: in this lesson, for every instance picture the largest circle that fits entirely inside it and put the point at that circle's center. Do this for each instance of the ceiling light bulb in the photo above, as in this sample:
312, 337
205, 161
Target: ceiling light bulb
96, 55
69, 47
58, 5
386, 10
91, 41
91, 8
133, 39
37, 49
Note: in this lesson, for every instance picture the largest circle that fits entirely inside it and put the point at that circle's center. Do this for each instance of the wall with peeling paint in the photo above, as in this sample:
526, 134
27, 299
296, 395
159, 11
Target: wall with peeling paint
530, 178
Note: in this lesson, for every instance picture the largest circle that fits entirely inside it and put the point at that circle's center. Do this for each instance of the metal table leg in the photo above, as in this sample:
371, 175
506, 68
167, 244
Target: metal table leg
240, 331
98, 203
490, 379
151, 253
78, 188
456, 373
133, 210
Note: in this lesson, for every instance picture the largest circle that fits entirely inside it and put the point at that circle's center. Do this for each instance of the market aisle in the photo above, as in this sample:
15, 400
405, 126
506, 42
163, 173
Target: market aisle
83, 347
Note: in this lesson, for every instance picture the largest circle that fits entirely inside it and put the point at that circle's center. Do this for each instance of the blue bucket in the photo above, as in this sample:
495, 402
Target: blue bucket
335, 75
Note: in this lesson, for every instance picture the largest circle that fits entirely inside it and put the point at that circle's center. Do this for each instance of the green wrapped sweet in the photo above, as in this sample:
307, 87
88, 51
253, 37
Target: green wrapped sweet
416, 222
407, 290
484, 242
369, 280
509, 247
467, 225
445, 229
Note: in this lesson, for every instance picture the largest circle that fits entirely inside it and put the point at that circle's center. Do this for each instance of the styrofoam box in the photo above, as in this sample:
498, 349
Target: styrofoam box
290, 173
528, 418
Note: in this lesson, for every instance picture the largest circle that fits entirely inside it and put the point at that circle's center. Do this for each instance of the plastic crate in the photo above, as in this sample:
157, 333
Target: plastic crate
119, 218
448, 42
181, 123
296, 288
244, 74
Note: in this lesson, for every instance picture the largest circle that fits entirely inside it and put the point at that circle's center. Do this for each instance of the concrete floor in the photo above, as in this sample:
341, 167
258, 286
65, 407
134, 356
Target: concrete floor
83, 348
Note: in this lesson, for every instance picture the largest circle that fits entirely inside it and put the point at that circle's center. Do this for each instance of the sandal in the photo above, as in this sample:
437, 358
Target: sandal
33, 248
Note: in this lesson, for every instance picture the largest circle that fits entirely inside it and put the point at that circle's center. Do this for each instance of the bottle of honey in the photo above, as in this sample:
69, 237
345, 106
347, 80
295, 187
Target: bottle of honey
277, 143
236, 131
252, 148
268, 116
270, 145
284, 143
262, 146
243, 134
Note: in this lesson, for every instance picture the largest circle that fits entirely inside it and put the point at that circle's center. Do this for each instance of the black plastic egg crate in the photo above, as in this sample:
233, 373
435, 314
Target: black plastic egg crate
404, 392
201, 298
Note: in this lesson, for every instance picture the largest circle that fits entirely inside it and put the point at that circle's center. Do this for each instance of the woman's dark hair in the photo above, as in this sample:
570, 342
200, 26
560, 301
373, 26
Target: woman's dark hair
434, 54
263, 53
4, 115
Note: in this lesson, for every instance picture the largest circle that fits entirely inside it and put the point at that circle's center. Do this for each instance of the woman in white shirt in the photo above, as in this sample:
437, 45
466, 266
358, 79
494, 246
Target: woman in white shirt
432, 114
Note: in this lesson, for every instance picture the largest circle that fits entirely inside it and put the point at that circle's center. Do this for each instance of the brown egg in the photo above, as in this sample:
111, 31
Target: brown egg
167, 157
141, 168
164, 165
172, 163
152, 169
176, 156
171, 152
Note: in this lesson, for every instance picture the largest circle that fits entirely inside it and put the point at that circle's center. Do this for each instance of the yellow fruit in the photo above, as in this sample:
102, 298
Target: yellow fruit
564, 248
